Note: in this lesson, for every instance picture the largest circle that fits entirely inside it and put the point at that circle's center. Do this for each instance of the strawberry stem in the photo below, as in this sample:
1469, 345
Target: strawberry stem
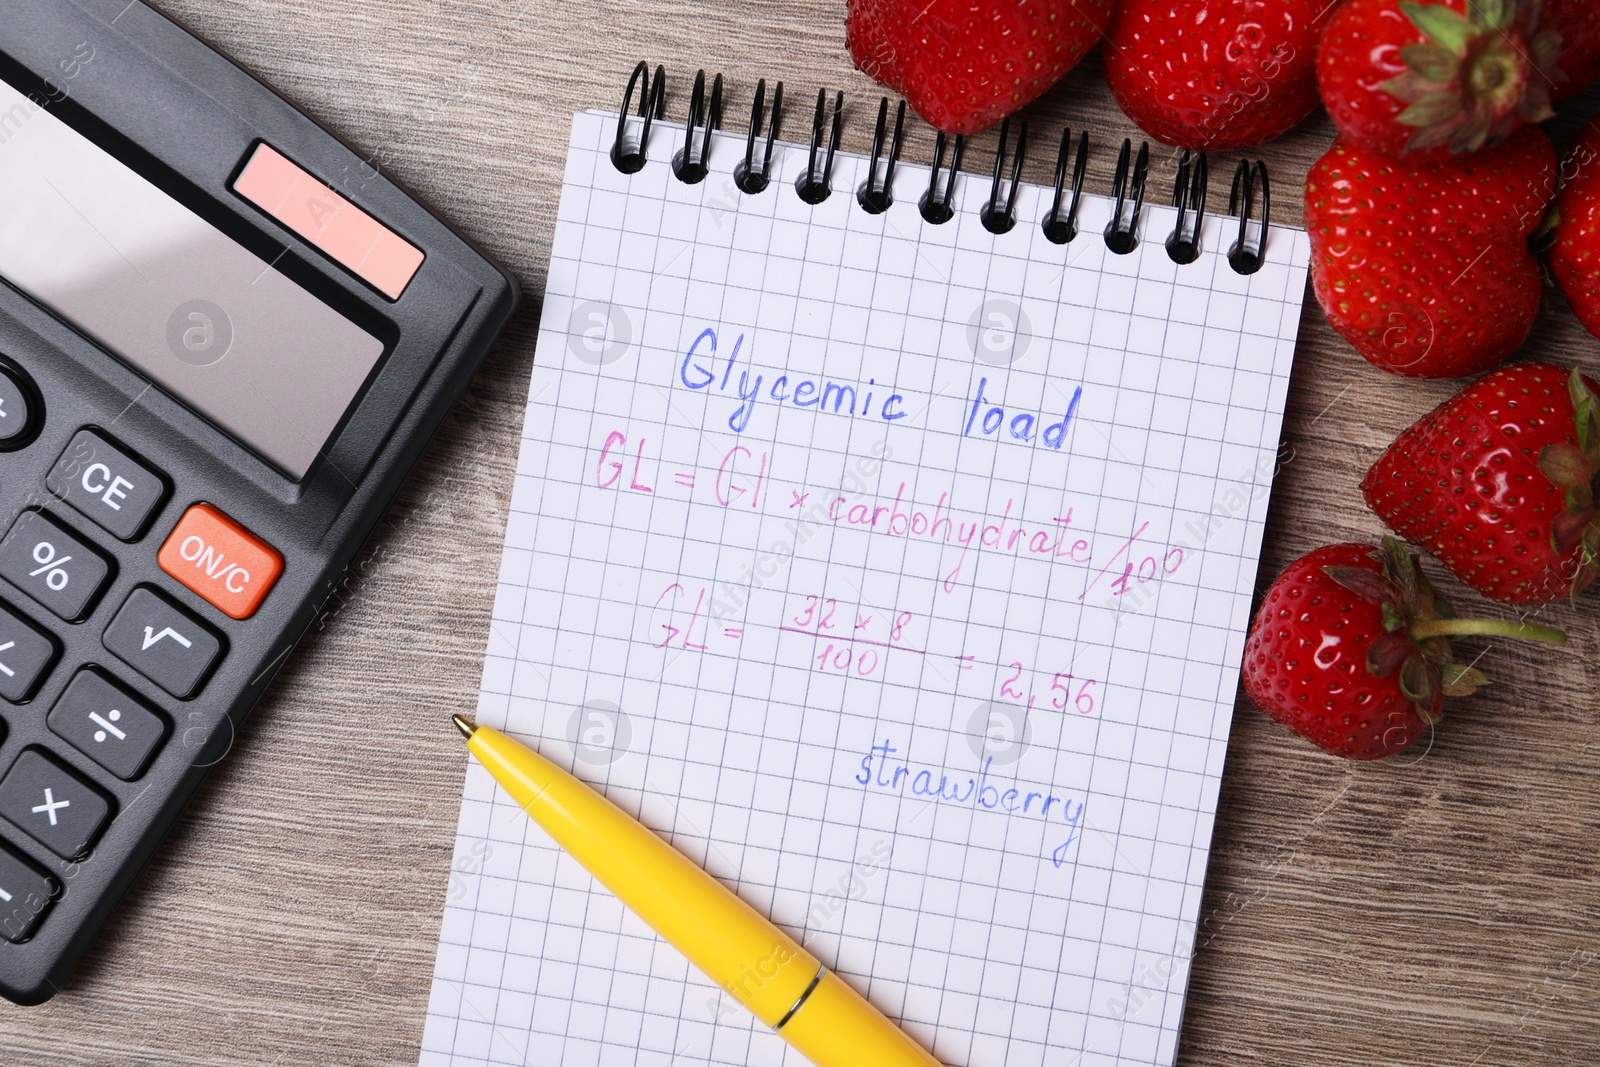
1423, 629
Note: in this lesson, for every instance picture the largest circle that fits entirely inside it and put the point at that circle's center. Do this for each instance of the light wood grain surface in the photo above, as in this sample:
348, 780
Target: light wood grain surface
1441, 908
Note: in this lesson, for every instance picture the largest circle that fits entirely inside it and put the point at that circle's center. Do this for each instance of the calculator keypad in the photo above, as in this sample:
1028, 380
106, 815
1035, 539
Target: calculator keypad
107, 484
163, 642
25, 655
108, 724
51, 804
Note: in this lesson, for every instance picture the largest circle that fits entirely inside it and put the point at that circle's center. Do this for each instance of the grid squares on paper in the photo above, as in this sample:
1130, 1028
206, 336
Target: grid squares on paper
806, 613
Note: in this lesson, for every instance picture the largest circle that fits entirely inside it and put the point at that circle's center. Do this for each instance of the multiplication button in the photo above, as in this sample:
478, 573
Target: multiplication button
108, 724
25, 655
51, 804
163, 642
51, 564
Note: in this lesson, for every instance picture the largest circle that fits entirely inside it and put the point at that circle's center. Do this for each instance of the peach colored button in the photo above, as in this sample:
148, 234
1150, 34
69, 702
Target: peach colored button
279, 186
221, 560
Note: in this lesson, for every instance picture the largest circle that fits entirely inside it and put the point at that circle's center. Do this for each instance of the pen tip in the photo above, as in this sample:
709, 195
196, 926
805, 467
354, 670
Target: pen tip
465, 725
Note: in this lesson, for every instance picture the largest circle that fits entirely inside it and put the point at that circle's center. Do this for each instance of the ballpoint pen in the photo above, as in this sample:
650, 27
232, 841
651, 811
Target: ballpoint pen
756, 963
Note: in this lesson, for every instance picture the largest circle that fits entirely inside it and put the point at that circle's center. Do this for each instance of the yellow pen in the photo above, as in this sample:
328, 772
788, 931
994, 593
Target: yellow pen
756, 963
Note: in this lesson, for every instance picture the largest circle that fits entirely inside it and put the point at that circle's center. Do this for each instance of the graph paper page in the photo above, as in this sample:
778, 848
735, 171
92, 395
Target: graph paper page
897, 573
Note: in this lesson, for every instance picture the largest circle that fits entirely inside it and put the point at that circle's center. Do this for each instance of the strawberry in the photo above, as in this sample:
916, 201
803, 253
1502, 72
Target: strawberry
1351, 650
1575, 234
1499, 484
1216, 74
1578, 23
966, 64
1453, 75
1423, 265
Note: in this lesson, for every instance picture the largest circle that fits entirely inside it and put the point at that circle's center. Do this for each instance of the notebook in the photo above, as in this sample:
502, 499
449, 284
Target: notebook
899, 573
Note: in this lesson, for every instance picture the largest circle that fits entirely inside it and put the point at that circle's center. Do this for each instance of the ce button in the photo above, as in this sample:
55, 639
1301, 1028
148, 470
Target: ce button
105, 482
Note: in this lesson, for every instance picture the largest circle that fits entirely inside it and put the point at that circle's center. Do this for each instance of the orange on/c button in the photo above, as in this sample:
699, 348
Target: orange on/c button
221, 560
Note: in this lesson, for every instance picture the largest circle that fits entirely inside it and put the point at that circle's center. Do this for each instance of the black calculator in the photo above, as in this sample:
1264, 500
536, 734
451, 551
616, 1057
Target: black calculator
225, 338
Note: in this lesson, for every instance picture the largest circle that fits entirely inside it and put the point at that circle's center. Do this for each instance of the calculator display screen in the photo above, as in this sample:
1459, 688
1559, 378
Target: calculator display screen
170, 294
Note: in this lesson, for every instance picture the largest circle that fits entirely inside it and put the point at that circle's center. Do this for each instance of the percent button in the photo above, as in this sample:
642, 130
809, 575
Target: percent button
53, 565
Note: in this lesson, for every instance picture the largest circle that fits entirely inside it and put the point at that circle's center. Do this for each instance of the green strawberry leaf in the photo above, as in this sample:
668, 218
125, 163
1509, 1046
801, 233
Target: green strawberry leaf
1585, 416
1417, 680
1431, 110
1410, 86
1368, 585
1387, 652
1430, 63
1461, 681
1491, 13
1566, 466
1440, 25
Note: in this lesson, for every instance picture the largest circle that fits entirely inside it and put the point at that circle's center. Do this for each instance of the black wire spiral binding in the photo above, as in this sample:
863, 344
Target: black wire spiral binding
692, 167
745, 176
936, 208
1241, 257
1188, 196
627, 154
812, 186
993, 218
998, 215
1120, 239
875, 199
1059, 230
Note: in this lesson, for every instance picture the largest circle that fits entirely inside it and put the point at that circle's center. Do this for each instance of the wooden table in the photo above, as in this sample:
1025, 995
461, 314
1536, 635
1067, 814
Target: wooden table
1440, 908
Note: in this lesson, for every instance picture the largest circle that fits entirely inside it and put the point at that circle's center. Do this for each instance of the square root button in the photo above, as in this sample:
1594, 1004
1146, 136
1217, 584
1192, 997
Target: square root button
108, 724
163, 642
51, 804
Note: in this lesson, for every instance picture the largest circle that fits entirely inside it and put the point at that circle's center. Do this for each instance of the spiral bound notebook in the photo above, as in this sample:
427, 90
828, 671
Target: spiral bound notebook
897, 571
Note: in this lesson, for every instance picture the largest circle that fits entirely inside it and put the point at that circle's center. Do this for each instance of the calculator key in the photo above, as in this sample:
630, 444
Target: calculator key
108, 724
221, 560
25, 655
163, 642
51, 804
106, 484
14, 411
24, 895
51, 564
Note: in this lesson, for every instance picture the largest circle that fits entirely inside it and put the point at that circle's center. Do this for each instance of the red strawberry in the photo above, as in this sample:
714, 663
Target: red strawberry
1575, 253
1399, 76
1216, 74
1424, 265
1351, 650
966, 64
1499, 483
1578, 23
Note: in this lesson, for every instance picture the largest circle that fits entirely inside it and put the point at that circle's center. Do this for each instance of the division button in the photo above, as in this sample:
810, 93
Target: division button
51, 564
51, 804
13, 408
108, 724
106, 484
163, 642
220, 560
25, 656
24, 894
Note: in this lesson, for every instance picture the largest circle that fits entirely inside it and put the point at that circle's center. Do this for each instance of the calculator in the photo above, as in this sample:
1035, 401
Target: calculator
225, 338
